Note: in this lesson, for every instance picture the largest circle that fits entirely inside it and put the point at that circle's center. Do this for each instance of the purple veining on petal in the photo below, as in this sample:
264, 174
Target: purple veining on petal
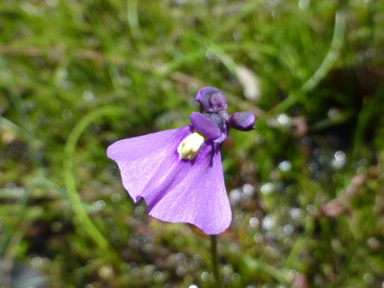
205, 126
211, 99
176, 190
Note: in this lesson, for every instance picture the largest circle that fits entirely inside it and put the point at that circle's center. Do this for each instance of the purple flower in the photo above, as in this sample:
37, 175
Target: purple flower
178, 172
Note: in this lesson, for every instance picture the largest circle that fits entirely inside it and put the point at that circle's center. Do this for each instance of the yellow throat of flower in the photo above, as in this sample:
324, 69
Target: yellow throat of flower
190, 146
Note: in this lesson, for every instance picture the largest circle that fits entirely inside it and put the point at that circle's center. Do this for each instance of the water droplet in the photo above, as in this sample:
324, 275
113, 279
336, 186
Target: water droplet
285, 166
339, 160
267, 188
158, 276
340, 155
116, 197
288, 229
368, 277
181, 271
94, 129
283, 119
314, 167
254, 222
180, 257
258, 237
374, 243
268, 223
311, 208
148, 270
197, 259
109, 221
235, 196
126, 81
235, 277
248, 190
303, 4
139, 210
136, 272
333, 112
205, 276
237, 36
106, 272
88, 95
111, 168
270, 236
98, 205
296, 213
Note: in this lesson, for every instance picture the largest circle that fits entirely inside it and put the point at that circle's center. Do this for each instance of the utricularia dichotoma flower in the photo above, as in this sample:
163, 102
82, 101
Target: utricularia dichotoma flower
178, 172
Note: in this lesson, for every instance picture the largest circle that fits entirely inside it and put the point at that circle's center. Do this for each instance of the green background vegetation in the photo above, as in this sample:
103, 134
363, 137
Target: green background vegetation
306, 186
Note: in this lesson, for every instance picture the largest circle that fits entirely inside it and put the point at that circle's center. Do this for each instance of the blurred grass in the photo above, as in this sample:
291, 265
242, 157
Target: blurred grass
300, 219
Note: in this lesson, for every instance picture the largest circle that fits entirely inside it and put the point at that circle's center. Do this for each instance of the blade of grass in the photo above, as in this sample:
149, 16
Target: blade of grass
82, 219
324, 68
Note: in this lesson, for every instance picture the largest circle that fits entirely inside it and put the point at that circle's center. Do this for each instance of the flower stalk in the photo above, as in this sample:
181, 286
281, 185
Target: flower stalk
215, 262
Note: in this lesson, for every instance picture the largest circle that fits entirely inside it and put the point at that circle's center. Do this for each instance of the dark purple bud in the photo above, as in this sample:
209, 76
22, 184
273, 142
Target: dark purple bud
221, 123
211, 99
205, 126
217, 119
243, 121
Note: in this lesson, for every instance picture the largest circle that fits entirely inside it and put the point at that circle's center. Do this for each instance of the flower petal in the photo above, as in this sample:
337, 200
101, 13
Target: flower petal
175, 190
140, 157
205, 125
211, 99
192, 191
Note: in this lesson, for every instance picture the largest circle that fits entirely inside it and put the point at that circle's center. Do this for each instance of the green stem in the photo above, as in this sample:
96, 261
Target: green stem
215, 264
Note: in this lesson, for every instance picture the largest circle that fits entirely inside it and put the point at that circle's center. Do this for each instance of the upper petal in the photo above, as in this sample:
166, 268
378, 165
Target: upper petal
205, 125
211, 99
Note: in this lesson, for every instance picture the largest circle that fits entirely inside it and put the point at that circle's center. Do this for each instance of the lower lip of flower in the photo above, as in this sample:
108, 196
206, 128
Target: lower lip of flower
190, 146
